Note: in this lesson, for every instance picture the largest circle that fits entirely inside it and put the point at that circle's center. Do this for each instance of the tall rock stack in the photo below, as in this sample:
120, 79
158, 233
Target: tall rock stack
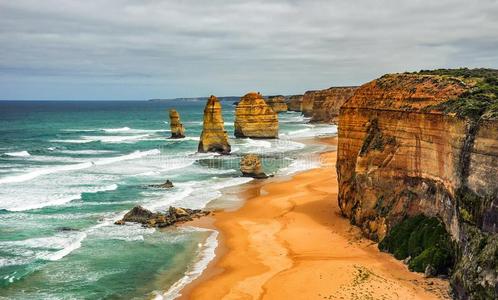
177, 129
254, 118
214, 138
416, 144
277, 103
295, 102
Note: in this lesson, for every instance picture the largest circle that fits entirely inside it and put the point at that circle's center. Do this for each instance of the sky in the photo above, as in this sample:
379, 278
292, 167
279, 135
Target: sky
142, 49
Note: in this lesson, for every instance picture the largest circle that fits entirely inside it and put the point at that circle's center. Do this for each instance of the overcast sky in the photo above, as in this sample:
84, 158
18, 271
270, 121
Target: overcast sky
140, 49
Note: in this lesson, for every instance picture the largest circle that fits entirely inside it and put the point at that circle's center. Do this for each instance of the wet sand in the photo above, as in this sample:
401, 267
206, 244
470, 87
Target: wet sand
289, 241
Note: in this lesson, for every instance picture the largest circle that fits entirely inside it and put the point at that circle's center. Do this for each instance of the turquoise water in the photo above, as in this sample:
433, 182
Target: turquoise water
68, 170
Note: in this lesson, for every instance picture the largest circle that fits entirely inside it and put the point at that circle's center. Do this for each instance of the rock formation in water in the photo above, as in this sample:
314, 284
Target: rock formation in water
277, 103
214, 138
177, 129
323, 105
294, 103
426, 144
254, 118
173, 216
250, 166
166, 185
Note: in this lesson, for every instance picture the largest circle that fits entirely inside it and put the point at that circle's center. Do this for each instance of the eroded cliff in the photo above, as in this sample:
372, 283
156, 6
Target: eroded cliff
323, 105
427, 144
254, 118
277, 103
294, 103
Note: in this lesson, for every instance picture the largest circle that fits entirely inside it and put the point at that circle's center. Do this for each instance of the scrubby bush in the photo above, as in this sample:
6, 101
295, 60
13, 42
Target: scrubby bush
423, 239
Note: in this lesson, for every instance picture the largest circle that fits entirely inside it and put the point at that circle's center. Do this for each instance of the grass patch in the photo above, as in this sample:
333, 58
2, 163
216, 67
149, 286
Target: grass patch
479, 101
425, 240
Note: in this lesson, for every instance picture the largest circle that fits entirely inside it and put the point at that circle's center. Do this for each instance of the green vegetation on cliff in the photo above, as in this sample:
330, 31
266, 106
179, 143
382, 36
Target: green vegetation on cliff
423, 239
480, 101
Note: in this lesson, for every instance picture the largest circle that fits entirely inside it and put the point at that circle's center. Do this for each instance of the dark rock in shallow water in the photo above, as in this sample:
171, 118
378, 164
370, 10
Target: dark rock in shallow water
174, 215
167, 185
64, 228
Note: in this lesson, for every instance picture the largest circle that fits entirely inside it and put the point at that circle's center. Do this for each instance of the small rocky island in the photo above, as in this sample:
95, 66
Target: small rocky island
172, 216
250, 166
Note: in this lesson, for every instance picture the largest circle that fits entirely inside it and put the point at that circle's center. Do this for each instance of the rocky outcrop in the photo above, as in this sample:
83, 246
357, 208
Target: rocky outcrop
166, 185
277, 103
250, 166
323, 105
214, 138
173, 216
177, 129
294, 103
254, 118
427, 144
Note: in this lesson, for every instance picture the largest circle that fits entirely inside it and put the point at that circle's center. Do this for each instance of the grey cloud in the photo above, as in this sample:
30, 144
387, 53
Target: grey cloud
157, 48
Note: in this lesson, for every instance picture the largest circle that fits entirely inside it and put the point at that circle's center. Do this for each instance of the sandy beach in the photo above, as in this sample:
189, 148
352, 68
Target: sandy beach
289, 241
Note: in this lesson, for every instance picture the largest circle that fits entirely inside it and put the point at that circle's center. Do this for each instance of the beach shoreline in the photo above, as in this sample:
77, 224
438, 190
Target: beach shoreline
289, 231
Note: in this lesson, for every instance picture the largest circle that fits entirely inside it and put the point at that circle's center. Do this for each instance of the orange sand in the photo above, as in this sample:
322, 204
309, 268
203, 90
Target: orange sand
290, 242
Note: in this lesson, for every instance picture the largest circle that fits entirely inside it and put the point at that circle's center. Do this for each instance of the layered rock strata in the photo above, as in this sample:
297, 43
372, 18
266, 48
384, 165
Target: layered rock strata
323, 105
294, 103
254, 118
177, 129
412, 144
214, 138
250, 166
277, 103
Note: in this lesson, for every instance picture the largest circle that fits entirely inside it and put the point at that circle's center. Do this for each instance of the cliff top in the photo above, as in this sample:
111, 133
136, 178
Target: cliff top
468, 93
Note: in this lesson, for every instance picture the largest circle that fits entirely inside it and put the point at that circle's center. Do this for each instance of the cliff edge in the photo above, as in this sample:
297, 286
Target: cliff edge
426, 144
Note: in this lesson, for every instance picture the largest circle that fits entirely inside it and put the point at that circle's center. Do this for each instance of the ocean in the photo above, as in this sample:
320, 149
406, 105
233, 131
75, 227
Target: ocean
69, 169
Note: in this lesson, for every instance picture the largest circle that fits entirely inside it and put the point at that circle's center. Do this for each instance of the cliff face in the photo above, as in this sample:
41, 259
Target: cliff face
277, 103
177, 129
294, 103
327, 103
214, 138
254, 118
323, 106
401, 155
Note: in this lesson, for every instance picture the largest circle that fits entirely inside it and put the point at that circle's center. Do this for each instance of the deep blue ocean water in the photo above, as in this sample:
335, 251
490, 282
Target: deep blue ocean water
69, 169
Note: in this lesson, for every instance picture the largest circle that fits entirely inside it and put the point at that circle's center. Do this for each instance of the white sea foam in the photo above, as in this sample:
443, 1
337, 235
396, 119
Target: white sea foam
300, 165
87, 152
206, 255
311, 131
114, 138
73, 167
132, 130
68, 246
18, 154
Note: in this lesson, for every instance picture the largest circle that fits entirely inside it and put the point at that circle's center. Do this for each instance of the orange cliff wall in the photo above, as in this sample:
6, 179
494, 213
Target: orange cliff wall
323, 105
398, 157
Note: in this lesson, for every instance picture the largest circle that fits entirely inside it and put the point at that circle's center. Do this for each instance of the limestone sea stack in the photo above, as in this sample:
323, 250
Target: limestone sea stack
250, 166
255, 119
294, 103
277, 103
214, 138
418, 156
177, 129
